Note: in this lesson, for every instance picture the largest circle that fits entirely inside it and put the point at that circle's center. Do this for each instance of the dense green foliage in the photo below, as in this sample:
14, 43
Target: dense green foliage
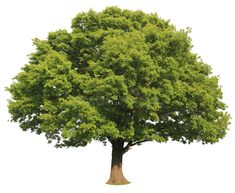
118, 75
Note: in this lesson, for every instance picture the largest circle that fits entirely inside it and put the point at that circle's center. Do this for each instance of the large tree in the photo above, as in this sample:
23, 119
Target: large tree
119, 76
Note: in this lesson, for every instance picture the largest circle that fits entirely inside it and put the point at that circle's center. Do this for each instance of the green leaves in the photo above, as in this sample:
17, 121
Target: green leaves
118, 75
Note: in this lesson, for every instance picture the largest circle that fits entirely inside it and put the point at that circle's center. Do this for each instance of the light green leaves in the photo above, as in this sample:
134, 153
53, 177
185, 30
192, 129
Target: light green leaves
118, 74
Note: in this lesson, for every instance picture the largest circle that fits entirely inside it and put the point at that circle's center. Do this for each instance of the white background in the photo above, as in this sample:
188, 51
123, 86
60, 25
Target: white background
29, 165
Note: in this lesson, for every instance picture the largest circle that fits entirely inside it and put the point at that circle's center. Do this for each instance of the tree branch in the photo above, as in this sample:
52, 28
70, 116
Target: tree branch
132, 143
139, 142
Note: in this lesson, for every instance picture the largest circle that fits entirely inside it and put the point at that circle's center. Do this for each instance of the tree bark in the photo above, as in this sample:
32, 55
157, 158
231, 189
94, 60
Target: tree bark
116, 174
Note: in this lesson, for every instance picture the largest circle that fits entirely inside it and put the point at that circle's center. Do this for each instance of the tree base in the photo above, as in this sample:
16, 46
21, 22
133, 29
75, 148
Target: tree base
112, 181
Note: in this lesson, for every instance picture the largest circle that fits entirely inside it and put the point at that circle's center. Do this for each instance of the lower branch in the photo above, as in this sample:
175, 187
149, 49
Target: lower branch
132, 143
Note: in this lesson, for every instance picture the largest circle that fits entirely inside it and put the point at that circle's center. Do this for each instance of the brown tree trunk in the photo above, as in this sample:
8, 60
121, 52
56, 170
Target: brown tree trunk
116, 175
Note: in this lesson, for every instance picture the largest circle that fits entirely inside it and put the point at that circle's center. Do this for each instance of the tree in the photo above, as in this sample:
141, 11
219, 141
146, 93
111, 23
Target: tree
119, 76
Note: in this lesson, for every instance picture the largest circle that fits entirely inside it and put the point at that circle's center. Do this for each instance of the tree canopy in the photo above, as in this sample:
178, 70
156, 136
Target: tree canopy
118, 75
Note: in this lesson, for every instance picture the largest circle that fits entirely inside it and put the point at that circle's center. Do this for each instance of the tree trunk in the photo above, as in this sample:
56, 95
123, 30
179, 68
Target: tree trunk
116, 175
